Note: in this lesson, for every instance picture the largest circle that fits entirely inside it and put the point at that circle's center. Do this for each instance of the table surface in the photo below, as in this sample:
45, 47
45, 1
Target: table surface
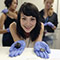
28, 54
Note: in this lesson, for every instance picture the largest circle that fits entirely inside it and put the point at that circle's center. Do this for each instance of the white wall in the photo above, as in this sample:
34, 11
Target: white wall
59, 11
38, 3
1, 5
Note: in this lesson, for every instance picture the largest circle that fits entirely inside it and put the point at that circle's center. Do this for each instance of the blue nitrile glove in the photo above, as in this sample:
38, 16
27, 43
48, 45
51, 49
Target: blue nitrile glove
45, 24
5, 11
50, 24
17, 48
8, 30
42, 49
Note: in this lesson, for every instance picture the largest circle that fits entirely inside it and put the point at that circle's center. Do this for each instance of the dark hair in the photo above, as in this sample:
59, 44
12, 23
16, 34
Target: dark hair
29, 9
8, 3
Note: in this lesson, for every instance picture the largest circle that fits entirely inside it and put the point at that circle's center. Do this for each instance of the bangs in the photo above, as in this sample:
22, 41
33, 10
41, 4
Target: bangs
29, 12
29, 9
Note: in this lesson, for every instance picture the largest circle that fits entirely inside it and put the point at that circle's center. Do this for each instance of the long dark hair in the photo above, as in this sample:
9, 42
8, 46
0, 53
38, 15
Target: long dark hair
29, 9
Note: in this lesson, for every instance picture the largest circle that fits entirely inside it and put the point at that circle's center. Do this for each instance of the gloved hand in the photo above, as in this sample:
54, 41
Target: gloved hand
45, 24
5, 11
8, 30
50, 24
17, 48
42, 49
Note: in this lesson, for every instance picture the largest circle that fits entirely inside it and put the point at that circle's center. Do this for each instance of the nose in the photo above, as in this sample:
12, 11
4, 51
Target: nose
28, 23
16, 6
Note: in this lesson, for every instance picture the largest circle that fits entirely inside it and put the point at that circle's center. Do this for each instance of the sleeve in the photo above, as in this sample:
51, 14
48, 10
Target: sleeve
41, 16
56, 20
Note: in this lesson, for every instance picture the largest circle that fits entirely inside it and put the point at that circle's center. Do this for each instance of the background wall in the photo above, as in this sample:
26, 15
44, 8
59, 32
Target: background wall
40, 5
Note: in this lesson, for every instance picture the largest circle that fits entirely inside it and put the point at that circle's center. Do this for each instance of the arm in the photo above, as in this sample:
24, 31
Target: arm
14, 32
41, 49
19, 45
2, 20
41, 33
56, 21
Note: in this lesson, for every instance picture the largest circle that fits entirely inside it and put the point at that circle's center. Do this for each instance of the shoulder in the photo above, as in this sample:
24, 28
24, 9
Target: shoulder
12, 26
13, 32
54, 16
3, 16
54, 13
41, 12
42, 26
39, 38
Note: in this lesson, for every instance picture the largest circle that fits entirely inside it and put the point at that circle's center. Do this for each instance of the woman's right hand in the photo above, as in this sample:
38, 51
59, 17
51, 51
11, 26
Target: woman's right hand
5, 11
17, 48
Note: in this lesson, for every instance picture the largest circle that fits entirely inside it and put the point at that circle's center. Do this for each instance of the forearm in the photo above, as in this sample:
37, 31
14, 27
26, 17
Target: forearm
39, 39
3, 31
41, 33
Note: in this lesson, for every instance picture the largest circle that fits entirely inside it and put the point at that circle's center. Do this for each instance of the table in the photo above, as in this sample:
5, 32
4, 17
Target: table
28, 54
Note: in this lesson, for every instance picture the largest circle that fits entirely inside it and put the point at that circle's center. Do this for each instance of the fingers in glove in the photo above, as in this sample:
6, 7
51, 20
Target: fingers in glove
37, 53
12, 54
48, 49
46, 55
41, 54
18, 52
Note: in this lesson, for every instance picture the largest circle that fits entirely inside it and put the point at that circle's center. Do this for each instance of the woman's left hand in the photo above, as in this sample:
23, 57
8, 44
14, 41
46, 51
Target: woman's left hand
42, 49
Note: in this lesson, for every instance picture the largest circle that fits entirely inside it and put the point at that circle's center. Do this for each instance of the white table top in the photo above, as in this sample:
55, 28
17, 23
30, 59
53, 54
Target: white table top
28, 54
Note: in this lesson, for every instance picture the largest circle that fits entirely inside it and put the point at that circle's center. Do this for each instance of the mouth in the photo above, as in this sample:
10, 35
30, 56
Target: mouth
27, 27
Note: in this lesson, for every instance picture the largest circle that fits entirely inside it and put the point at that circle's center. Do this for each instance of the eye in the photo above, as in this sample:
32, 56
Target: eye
16, 3
32, 19
23, 18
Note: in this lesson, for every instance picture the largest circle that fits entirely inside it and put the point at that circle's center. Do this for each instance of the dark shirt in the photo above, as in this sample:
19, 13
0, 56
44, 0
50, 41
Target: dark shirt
7, 39
52, 19
8, 21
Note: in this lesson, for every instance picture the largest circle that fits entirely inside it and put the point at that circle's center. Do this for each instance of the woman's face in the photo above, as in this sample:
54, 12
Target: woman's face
27, 23
48, 4
14, 4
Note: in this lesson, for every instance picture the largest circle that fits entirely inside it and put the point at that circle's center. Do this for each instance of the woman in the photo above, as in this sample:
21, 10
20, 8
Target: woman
6, 19
28, 31
49, 18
